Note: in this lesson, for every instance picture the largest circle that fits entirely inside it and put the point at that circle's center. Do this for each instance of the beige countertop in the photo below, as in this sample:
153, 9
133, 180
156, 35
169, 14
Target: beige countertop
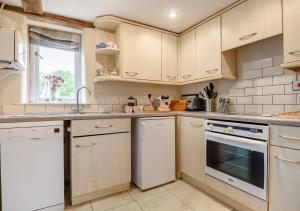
207, 115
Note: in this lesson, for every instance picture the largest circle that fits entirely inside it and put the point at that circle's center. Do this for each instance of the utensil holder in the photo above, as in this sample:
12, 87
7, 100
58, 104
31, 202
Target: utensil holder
208, 105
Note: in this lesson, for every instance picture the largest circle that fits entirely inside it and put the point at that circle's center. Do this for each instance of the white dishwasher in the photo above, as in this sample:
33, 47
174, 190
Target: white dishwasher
153, 151
32, 170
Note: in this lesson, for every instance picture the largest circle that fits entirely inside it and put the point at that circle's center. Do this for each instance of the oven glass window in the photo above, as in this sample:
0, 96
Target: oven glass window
237, 162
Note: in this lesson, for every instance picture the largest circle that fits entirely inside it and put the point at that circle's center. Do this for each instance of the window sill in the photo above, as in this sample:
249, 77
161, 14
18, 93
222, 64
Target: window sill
51, 103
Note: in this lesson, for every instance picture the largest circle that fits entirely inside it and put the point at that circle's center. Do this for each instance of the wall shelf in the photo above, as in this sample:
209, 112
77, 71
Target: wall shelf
107, 51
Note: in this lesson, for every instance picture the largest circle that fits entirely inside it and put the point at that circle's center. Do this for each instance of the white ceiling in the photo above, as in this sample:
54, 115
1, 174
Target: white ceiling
151, 12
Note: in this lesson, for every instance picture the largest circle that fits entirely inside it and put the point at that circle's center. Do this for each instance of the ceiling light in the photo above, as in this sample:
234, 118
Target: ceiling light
172, 14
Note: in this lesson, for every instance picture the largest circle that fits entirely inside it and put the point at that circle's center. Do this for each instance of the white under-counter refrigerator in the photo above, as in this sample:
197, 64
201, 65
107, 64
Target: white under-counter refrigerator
153, 151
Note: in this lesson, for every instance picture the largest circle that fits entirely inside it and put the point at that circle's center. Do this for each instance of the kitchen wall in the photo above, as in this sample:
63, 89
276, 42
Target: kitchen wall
262, 85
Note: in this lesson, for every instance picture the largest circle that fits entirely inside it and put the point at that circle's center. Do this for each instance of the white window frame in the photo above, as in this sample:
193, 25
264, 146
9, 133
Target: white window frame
34, 70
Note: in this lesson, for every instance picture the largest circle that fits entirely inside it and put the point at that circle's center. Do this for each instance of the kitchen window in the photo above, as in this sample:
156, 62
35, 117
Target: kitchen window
55, 64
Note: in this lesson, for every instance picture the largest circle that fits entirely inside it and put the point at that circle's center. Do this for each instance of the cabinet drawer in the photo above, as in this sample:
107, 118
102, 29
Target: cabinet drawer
285, 136
100, 126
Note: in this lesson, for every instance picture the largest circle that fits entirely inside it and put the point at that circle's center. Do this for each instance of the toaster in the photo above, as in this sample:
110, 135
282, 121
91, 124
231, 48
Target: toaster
194, 103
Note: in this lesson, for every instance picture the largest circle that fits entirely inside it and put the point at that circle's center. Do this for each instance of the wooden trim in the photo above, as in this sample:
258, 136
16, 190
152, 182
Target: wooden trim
213, 16
51, 18
99, 194
136, 23
295, 66
32, 6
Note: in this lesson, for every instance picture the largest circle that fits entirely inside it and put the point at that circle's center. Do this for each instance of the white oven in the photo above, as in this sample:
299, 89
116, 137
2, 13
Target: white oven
237, 154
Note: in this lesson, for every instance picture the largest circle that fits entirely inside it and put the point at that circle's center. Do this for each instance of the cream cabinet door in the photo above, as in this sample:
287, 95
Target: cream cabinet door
192, 148
208, 49
284, 179
169, 57
187, 56
141, 53
251, 21
100, 162
291, 30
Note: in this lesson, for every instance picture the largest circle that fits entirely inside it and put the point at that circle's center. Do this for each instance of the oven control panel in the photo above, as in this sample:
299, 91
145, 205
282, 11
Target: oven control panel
248, 130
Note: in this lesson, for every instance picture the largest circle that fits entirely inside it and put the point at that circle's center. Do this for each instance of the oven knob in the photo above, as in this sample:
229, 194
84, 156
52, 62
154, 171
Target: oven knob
229, 130
210, 126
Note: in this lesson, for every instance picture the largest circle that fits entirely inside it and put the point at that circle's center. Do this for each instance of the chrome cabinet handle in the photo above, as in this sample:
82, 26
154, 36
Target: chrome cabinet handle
171, 77
102, 126
196, 125
186, 76
246, 37
287, 160
131, 73
212, 71
85, 146
290, 137
295, 53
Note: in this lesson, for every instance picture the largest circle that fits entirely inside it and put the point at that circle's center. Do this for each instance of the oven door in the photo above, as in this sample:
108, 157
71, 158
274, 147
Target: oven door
240, 162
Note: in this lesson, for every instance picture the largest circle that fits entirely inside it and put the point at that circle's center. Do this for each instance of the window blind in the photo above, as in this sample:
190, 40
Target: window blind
54, 39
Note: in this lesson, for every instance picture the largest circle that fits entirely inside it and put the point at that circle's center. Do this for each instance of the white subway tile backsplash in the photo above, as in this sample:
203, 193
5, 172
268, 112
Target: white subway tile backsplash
105, 108
244, 100
13, 109
271, 90
55, 108
263, 100
90, 108
237, 108
273, 109
263, 63
284, 99
284, 79
236, 92
233, 100
253, 109
253, 91
263, 81
34, 108
298, 99
277, 60
272, 71
291, 108
251, 74
112, 100
244, 84
117, 108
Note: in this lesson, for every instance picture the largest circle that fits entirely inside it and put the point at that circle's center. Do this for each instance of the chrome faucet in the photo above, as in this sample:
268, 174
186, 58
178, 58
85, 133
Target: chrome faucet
77, 97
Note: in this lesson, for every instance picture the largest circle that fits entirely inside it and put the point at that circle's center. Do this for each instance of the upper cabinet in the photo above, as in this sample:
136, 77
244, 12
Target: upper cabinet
208, 49
169, 57
187, 56
291, 30
251, 21
141, 53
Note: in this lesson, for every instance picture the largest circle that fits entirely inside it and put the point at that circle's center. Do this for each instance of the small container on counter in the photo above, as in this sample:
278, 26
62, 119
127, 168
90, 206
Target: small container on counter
131, 101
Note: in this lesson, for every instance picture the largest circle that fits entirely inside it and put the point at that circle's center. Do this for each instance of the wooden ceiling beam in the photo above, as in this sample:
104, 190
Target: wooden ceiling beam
32, 6
51, 18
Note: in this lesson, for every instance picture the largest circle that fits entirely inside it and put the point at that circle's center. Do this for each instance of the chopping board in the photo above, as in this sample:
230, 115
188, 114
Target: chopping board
289, 115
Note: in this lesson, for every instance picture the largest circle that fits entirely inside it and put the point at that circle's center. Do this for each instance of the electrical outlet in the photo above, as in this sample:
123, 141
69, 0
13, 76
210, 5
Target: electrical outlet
296, 85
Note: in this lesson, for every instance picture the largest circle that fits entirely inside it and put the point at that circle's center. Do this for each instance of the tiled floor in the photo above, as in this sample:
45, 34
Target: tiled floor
176, 196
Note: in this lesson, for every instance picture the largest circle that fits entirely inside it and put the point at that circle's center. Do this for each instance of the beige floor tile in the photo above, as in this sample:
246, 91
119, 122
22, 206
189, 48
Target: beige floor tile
85, 207
132, 206
197, 200
175, 184
111, 201
137, 194
164, 201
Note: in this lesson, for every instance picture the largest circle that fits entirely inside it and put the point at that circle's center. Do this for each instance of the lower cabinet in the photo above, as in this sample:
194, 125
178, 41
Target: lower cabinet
284, 179
100, 163
192, 148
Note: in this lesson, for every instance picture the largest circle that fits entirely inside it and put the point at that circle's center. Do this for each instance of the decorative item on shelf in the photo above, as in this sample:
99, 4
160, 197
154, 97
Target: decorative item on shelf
101, 45
111, 45
114, 71
54, 82
223, 105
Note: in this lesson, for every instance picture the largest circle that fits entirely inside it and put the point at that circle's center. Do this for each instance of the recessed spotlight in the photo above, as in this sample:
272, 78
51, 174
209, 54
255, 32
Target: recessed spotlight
172, 14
